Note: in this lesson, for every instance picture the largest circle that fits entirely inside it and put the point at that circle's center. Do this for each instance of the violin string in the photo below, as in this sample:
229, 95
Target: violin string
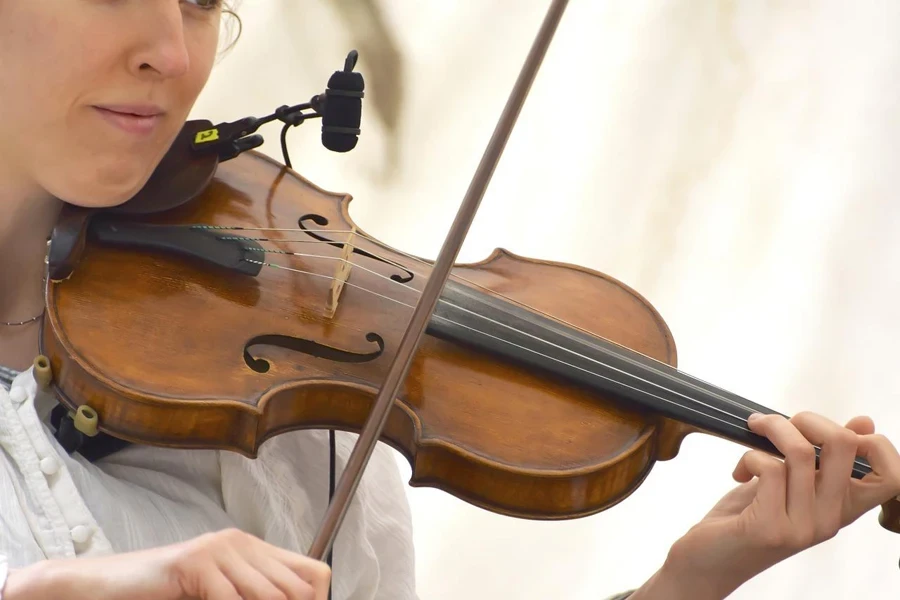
537, 338
230, 238
858, 463
363, 235
477, 315
366, 236
323, 276
729, 424
542, 355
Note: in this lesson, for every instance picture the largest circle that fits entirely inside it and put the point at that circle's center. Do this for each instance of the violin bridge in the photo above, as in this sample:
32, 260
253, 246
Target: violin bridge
341, 274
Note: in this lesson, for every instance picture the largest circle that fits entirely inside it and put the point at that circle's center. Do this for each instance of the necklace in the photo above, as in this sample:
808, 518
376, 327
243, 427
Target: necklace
26, 322
40, 314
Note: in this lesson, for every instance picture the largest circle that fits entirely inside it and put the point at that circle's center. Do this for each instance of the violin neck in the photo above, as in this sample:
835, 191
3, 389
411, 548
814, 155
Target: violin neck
484, 322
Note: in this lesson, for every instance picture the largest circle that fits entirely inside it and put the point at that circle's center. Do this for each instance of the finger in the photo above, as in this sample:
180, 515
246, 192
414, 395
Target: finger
249, 582
799, 461
314, 572
861, 425
839, 448
885, 477
771, 475
285, 579
213, 583
881, 454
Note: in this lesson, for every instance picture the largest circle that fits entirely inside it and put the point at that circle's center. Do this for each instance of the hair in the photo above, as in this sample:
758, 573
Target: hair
230, 13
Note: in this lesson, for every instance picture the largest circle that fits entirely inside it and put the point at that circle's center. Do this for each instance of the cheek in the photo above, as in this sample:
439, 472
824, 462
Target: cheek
44, 71
66, 152
36, 73
203, 53
52, 73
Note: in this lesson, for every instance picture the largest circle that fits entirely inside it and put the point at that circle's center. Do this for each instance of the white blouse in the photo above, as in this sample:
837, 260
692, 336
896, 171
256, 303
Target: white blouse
55, 505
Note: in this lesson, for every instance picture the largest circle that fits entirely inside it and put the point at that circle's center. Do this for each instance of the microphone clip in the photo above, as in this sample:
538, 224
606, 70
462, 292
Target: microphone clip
231, 139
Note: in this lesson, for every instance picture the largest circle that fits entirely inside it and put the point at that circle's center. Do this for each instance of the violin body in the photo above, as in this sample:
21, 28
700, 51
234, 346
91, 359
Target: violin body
172, 351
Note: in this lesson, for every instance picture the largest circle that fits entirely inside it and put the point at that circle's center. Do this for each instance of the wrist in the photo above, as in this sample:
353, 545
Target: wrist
21, 584
40, 581
674, 581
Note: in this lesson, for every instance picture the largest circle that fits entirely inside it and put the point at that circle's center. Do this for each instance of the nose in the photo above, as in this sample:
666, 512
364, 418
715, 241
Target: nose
161, 50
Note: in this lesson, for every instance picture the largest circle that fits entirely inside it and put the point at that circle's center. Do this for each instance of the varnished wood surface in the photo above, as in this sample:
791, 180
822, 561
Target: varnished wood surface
155, 345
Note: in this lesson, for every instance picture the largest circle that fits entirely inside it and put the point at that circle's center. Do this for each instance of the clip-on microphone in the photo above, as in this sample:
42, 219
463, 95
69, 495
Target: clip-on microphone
340, 109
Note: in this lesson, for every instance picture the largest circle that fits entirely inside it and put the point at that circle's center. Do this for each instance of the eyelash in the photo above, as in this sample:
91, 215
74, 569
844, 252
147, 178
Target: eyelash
208, 4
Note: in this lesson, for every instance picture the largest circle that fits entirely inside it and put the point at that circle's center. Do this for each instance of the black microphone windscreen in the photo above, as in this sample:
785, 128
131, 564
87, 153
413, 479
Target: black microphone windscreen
343, 111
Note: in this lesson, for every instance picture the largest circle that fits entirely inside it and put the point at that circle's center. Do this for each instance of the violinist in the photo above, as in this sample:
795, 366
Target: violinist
92, 94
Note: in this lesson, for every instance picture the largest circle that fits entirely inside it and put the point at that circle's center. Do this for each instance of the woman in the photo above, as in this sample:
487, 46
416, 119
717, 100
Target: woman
93, 92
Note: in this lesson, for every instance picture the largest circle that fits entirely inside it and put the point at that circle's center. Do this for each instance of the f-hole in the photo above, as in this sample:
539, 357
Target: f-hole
311, 348
323, 222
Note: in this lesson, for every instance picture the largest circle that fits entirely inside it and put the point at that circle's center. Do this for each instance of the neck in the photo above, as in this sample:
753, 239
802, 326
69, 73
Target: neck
491, 324
471, 317
28, 216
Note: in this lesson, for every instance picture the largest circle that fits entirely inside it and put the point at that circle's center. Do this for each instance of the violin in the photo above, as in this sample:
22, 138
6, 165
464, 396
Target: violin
233, 300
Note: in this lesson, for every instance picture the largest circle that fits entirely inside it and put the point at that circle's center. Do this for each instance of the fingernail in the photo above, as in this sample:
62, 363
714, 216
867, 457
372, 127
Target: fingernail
754, 417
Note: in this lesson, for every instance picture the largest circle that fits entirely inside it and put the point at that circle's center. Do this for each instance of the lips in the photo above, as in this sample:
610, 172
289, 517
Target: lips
136, 119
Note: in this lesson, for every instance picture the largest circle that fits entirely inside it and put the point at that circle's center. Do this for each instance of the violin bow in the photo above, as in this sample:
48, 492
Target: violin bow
372, 430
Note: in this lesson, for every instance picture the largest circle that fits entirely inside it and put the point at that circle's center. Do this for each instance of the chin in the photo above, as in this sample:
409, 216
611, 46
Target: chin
102, 185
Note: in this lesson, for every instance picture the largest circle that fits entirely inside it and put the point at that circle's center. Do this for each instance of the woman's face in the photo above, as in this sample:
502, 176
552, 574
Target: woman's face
93, 92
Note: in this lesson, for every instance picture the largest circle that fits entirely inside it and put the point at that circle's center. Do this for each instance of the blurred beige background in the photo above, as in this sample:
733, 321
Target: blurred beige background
735, 162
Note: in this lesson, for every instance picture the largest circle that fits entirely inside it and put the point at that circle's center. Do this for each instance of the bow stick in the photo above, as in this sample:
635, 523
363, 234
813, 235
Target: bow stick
377, 419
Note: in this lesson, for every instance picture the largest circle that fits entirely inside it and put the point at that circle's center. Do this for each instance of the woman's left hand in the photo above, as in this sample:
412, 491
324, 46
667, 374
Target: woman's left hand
783, 507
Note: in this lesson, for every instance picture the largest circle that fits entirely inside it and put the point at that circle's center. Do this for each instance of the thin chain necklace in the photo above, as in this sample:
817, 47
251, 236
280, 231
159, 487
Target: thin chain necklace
25, 322
40, 314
